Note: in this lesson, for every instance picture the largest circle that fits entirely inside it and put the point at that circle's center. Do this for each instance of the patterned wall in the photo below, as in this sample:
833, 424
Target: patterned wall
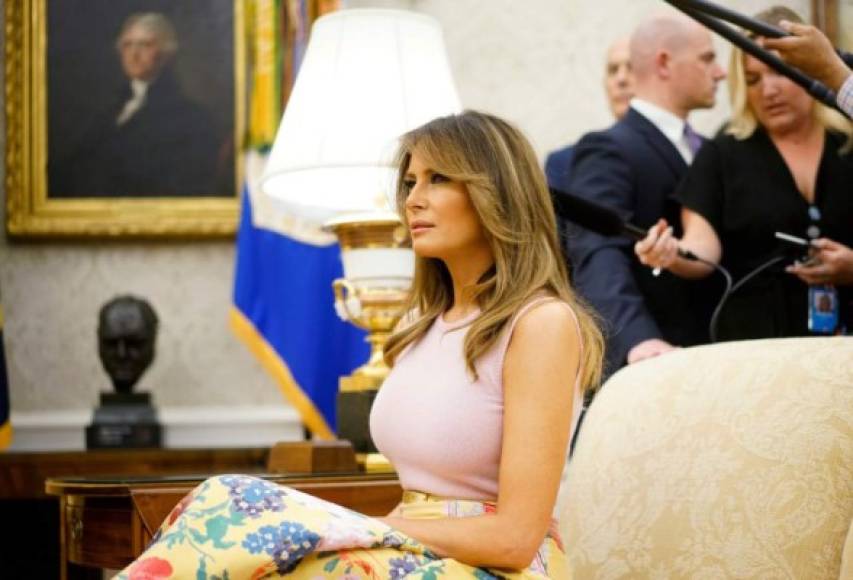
52, 293
538, 63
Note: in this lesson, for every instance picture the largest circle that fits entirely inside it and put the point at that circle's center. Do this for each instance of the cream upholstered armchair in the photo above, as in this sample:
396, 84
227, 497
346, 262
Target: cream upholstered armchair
732, 460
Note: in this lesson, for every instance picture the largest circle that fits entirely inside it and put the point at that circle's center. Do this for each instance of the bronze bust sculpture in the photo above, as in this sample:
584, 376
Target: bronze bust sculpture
127, 330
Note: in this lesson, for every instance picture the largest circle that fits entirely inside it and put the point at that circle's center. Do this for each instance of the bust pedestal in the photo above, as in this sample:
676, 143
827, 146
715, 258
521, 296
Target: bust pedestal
124, 420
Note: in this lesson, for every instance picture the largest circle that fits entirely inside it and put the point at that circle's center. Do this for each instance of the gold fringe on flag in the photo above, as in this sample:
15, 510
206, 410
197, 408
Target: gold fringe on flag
5, 425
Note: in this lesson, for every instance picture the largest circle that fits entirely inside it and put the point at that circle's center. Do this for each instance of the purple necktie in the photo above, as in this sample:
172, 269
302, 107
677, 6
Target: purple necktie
694, 140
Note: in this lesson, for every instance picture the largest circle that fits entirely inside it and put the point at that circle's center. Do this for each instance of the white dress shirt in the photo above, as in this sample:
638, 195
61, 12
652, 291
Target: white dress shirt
138, 90
845, 96
672, 126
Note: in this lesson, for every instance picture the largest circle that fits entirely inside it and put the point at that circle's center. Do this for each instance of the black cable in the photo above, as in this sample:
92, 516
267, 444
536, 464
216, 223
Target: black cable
758, 270
606, 222
730, 289
712, 327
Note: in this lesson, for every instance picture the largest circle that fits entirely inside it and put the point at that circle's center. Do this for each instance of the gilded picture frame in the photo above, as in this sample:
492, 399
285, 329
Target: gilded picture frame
41, 201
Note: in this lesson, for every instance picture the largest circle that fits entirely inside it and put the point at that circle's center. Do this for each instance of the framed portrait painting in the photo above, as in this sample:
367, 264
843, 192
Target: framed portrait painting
124, 118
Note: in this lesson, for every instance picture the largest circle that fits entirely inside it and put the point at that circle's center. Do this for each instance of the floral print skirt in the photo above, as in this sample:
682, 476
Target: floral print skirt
236, 526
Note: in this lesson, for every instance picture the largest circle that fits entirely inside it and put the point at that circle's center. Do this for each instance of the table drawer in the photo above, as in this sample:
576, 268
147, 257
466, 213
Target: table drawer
97, 532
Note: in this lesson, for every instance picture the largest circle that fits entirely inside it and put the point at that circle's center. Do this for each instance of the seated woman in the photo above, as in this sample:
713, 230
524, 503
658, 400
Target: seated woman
783, 164
476, 415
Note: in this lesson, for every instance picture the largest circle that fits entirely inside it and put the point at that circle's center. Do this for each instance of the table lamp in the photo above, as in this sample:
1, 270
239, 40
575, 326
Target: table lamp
368, 76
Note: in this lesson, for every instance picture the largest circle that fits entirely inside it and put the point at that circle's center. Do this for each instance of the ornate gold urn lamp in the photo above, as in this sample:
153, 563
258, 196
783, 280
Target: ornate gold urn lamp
378, 264
368, 76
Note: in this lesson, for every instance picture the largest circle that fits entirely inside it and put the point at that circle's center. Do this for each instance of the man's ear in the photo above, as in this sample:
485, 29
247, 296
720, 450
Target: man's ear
663, 64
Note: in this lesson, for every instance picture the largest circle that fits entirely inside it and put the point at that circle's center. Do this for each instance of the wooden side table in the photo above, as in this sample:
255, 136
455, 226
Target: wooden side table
106, 522
24, 501
22, 475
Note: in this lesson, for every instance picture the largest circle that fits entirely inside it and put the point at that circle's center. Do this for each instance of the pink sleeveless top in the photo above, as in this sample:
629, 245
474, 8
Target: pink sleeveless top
440, 429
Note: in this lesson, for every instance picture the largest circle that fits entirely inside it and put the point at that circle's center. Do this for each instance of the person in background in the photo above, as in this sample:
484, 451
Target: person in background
809, 50
488, 372
619, 87
783, 164
633, 167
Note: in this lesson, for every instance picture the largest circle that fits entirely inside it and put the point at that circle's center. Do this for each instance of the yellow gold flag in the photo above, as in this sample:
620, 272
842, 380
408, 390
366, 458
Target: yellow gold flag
265, 100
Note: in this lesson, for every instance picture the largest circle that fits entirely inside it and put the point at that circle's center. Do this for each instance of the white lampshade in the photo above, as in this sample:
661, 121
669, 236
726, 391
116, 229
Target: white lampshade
368, 76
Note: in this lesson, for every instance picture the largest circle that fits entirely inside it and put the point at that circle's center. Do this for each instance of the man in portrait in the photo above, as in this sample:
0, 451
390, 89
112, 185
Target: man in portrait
152, 141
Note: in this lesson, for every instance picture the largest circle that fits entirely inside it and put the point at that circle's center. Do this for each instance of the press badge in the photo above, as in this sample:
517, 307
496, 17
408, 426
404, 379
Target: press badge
823, 309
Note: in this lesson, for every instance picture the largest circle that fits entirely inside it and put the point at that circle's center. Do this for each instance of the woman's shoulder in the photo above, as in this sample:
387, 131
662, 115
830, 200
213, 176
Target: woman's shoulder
545, 314
546, 330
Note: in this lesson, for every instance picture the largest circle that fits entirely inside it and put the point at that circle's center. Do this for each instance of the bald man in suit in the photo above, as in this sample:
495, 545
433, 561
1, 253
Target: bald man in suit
633, 167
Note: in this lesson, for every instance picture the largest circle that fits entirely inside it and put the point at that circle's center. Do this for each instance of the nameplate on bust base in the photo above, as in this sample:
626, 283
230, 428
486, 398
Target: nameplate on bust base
132, 399
124, 420
123, 436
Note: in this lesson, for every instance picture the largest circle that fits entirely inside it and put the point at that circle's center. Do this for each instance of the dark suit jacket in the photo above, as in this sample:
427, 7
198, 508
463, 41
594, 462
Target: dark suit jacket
169, 147
633, 168
557, 167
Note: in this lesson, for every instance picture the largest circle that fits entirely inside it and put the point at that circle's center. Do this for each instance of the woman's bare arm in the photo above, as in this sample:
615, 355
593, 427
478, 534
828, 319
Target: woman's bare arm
539, 373
660, 248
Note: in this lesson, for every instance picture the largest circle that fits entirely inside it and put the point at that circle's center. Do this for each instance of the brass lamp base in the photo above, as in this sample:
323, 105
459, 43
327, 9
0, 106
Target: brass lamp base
379, 312
373, 463
378, 263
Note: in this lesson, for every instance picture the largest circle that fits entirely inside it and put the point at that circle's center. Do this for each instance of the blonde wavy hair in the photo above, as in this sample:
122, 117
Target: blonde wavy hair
509, 193
743, 122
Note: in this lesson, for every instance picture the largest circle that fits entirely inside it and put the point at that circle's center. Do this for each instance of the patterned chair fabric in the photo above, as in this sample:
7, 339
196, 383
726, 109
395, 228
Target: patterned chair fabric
732, 460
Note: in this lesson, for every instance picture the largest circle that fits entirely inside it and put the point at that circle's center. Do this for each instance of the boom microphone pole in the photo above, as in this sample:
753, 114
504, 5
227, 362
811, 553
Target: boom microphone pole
723, 13
599, 219
749, 23
707, 13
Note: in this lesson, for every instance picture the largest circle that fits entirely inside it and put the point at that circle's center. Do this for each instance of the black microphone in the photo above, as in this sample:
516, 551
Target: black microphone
599, 219
607, 222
